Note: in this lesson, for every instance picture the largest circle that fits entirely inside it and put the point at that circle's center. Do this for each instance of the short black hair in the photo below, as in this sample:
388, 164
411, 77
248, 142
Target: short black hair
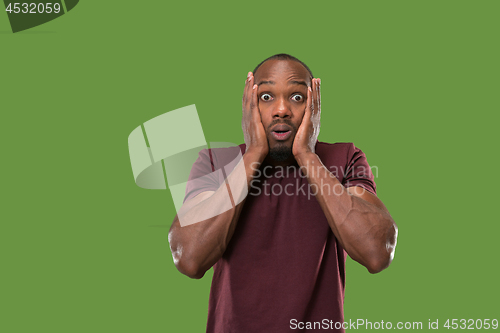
283, 56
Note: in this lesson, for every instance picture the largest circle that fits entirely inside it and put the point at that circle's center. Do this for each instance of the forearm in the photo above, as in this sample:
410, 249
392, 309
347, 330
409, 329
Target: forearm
199, 242
367, 232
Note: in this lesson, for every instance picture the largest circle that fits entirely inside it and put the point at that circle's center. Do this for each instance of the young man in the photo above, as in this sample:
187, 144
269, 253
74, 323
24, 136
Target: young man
279, 249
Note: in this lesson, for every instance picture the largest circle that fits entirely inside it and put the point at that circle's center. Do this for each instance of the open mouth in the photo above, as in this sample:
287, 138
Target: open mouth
281, 132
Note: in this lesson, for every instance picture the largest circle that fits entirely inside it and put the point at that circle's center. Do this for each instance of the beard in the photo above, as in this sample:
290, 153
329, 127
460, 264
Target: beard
281, 152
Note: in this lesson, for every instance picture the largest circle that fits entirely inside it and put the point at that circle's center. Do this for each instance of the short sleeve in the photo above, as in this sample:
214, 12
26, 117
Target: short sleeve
203, 176
358, 172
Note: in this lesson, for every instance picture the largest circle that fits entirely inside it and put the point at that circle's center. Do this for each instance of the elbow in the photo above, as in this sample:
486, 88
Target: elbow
190, 269
186, 264
384, 258
379, 264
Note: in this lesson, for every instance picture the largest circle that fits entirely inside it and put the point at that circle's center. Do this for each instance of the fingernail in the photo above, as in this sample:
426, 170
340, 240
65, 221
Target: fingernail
254, 86
309, 88
319, 80
249, 74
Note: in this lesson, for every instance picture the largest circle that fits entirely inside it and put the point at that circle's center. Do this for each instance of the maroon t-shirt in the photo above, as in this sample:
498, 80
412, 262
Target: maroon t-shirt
283, 264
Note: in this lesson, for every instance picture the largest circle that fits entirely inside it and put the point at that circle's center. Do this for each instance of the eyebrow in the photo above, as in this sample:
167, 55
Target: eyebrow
265, 82
291, 82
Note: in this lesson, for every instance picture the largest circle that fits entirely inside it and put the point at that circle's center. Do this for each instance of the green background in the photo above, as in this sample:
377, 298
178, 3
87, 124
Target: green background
414, 84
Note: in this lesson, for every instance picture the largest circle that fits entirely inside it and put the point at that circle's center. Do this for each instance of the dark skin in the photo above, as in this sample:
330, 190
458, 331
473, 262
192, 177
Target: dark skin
282, 98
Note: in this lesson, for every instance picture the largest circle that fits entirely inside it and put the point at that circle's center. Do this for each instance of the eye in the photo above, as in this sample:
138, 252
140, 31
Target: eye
266, 97
297, 97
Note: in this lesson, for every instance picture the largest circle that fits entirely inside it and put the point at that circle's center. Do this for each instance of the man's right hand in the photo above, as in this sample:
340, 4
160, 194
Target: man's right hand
251, 122
202, 241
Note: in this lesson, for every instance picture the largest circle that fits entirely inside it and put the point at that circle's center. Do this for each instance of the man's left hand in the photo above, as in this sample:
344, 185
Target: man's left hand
307, 134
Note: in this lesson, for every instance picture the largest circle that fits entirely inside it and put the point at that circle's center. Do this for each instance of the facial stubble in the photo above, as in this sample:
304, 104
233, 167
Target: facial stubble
281, 151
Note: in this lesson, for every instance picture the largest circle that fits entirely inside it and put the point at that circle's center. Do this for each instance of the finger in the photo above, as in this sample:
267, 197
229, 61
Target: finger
316, 97
255, 100
319, 96
252, 95
243, 98
309, 104
246, 90
250, 101
314, 94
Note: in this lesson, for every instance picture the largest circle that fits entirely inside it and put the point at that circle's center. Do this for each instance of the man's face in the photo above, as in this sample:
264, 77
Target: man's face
282, 94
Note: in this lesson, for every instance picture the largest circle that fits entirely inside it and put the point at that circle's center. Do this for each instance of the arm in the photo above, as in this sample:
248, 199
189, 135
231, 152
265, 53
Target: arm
360, 221
198, 244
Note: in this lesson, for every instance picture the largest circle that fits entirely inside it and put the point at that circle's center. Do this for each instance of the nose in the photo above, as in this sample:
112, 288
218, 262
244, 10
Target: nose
282, 109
